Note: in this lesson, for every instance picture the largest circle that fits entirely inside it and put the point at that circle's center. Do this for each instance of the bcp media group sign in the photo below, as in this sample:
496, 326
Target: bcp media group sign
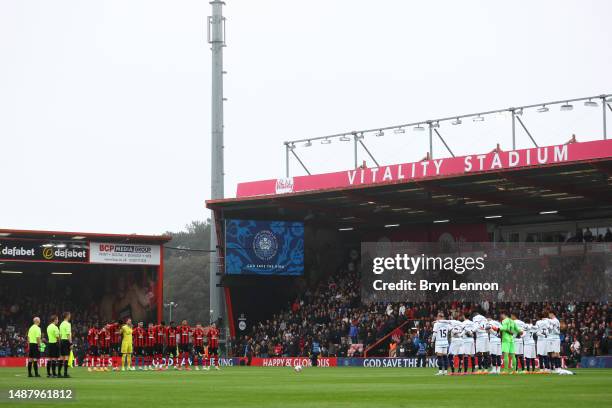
118, 253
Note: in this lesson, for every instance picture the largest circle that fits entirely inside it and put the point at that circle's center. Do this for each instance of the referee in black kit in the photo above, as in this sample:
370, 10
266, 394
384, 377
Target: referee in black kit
34, 340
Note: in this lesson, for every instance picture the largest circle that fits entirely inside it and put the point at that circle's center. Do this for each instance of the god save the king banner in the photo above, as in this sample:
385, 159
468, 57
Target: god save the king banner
396, 173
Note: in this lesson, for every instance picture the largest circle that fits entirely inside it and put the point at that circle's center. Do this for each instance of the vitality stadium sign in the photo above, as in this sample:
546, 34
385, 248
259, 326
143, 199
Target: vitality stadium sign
427, 169
42, 251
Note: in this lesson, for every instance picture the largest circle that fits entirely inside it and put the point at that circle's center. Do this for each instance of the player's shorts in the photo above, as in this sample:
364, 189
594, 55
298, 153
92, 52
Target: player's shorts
139, 351
198, 349
442, 348
455, 347
495, 348
34, 351
104, 350
159, 348
116, 347
126, 348
64, 348
554, 346
467, 348
542, 347
529, 350
93, 351
149, 351
171, 349
508, 347
184, 347
482, 345
518, 346
213, 351
53, 350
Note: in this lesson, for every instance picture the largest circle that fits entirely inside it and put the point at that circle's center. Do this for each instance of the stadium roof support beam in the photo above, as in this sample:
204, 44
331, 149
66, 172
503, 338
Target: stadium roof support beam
525, 128
301, 162
444, 142
368, 152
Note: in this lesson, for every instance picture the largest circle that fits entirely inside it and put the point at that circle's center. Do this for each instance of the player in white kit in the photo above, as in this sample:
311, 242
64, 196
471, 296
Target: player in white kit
529, 347
542, 327
441, 331
495, 346
554, 341
519, 344
482, 342
468, 347
455, 345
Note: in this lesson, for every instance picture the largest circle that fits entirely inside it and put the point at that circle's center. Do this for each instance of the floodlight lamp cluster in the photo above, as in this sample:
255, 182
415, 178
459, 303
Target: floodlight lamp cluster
356, 136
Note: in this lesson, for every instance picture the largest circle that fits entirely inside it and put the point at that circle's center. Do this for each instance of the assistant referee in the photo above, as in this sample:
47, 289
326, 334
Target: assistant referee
53, 351
65, 345
34, 347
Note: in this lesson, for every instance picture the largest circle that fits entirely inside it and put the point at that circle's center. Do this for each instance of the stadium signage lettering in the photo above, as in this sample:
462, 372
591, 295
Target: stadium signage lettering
481, 162
391, 362
133, 254
440, 167
46, 251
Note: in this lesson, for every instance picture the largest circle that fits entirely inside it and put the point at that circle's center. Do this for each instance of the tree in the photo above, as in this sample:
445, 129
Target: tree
186, 273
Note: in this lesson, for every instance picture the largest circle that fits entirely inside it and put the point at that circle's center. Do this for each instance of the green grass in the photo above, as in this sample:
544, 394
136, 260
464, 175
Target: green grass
322, 387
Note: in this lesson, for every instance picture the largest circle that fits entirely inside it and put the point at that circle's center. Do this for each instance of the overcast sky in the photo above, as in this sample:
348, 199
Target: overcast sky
105, 105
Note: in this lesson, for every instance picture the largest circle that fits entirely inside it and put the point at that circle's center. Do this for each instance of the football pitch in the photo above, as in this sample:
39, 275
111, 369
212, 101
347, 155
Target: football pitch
322, 387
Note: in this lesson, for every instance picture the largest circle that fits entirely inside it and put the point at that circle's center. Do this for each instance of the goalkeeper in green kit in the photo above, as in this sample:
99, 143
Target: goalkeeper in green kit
508, 330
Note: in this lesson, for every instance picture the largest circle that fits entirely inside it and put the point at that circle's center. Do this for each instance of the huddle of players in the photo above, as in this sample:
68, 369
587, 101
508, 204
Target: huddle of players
482, 341
59, 346
155, 343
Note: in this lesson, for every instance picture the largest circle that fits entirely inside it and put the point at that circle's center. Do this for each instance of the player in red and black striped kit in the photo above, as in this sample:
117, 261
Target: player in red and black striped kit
139, 336
104, 344
92, 349
160, 331
198, 346
184, 331
213, 345
116, 338
151, 340
171, 342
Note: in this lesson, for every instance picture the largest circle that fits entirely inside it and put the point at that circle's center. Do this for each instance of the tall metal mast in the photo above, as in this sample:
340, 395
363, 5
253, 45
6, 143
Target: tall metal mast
216, 37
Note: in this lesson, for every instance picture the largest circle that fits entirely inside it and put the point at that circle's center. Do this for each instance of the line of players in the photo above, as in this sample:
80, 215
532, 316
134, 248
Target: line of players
156, 346
477, 344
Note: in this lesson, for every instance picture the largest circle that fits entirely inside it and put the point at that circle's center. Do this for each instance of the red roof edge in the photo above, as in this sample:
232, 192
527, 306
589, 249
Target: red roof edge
88, 235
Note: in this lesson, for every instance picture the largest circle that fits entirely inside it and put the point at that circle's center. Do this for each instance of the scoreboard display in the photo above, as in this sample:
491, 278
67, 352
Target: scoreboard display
264, 247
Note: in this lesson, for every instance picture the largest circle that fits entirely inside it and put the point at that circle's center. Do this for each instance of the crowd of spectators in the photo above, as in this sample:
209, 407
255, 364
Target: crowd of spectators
332, 314
18, 306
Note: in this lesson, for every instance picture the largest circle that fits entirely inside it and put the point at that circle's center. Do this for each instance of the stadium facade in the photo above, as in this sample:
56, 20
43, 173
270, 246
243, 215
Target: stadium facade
542, 194
122, 275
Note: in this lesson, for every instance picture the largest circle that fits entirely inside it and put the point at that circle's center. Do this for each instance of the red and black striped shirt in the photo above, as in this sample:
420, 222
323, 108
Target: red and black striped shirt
139, 337
198, 336
161, 334
213, 337
171, 336
92, 337
116, 333
184, 332
151, 336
